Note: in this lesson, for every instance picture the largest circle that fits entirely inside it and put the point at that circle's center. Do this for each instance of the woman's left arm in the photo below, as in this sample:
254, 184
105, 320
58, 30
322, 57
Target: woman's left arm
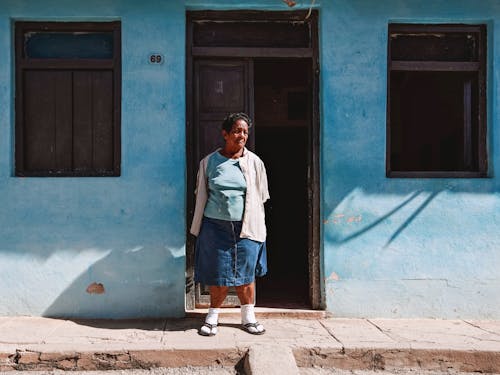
262, 182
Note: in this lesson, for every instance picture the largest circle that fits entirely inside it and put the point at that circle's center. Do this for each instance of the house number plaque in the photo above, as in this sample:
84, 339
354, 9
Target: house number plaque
156, 58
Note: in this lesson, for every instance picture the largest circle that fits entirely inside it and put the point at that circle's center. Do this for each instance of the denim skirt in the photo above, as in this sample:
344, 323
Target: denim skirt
222, 258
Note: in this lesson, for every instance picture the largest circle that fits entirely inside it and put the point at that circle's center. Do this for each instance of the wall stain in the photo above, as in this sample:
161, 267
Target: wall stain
96, 288
333, 276
342, 219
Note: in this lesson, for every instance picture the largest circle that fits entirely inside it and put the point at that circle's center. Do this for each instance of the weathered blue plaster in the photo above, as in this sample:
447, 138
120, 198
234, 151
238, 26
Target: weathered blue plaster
400, 247
59, 235
390, 247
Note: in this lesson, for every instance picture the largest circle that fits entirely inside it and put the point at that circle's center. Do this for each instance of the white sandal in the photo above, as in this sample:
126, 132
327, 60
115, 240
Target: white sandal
254, 328
208, 329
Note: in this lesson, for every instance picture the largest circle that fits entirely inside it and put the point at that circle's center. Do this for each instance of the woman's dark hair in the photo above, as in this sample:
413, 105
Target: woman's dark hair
229, 121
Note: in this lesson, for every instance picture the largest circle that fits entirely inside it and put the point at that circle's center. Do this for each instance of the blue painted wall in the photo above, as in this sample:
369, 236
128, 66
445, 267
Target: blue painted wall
59, 235
400, 247
390, 247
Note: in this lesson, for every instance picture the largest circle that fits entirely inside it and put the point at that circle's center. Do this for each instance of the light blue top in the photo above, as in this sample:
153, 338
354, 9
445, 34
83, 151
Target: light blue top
226, 189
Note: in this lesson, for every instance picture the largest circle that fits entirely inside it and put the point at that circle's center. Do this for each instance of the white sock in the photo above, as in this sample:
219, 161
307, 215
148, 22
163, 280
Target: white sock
212, 316
248, 314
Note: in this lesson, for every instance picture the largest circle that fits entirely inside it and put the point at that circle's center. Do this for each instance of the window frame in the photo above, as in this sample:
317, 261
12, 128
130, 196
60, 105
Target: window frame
57, 64
445, 66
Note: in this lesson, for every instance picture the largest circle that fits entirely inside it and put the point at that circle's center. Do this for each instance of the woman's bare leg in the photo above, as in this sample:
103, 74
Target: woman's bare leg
246, 293
217, 295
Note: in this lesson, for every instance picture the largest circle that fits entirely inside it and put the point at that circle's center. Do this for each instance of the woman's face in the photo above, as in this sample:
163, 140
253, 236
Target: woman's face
237, 137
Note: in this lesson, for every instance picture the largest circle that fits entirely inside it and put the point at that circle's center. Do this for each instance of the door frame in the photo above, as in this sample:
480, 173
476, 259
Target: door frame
316, 293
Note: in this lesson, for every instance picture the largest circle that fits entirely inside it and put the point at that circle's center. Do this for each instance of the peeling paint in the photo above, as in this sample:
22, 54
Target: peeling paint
177, 252
333, 276
344, 219
135, 249
95, 288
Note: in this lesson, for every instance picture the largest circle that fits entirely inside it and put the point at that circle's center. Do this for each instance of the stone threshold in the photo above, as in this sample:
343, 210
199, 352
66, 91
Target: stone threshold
264, 313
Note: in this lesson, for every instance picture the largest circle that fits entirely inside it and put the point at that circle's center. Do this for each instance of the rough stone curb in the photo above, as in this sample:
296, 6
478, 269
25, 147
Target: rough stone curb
23, 360
259, 359
390, 359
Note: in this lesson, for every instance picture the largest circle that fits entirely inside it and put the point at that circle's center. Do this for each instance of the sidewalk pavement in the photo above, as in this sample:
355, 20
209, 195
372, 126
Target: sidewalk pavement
303, 340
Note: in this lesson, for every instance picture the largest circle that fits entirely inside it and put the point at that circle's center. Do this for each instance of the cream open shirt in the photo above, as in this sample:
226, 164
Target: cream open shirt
254, 225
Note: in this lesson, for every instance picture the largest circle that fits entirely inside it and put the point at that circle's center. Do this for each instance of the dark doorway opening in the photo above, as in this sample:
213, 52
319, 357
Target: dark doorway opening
283, 122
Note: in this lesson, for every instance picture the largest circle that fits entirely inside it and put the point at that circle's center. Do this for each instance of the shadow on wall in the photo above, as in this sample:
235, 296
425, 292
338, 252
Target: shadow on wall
145, 281
336, 218
389, 229
363, 201
57, 251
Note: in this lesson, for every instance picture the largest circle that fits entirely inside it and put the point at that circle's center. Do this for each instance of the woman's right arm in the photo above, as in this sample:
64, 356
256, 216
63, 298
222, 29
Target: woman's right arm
201, 192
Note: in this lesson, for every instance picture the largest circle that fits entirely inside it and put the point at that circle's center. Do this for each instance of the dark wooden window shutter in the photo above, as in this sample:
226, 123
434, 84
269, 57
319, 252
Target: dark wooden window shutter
68, 80
436, 102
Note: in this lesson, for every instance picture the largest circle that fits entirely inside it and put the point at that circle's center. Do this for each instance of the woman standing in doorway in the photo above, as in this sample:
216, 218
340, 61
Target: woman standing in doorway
229, 224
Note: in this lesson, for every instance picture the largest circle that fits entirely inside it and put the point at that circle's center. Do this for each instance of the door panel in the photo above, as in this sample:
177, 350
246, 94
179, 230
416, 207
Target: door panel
220, 87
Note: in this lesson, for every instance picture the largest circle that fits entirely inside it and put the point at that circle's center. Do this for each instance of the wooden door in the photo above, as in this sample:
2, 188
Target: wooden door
220, 87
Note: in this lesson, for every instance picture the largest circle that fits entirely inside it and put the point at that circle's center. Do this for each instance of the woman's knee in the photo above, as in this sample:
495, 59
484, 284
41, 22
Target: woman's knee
217, 295
217, 290
246, 293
